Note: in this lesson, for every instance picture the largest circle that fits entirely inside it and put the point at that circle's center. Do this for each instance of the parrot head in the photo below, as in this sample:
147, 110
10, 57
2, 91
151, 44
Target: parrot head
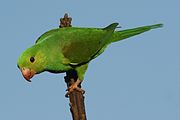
31, 62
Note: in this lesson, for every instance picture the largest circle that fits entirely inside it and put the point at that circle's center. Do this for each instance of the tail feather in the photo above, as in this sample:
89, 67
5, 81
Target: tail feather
119, 35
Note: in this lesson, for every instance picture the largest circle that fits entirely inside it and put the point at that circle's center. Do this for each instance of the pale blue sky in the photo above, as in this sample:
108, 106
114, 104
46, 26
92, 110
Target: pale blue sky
135, 79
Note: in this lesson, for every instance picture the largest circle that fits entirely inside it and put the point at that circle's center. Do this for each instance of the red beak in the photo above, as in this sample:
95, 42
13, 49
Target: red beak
28, 73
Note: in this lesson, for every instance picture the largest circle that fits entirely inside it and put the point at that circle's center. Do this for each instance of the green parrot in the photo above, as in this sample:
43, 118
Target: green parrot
71, 48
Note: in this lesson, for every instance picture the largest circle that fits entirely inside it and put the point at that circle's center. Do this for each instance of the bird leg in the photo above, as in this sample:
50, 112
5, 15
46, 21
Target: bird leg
73, 87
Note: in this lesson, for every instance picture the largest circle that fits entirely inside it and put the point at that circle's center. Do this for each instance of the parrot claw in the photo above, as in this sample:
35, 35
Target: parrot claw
73, 87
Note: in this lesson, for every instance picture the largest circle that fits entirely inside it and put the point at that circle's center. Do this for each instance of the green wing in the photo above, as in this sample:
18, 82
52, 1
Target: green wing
85, 44
46, 35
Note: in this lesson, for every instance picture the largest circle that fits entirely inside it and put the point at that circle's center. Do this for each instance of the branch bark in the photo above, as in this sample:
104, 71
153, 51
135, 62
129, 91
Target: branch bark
76, 98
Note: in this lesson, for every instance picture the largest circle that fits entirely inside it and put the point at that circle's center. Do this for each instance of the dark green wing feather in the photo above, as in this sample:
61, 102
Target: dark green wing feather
86, 43
80, 52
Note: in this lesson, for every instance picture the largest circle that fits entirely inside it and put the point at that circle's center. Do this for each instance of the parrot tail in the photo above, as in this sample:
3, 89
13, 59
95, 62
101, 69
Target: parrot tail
123, 34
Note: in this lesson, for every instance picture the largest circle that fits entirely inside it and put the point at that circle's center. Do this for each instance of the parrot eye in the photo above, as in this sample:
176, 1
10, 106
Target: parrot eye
32, 59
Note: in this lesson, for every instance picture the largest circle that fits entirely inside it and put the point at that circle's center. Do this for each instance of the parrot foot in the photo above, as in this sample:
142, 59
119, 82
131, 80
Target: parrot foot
73, 87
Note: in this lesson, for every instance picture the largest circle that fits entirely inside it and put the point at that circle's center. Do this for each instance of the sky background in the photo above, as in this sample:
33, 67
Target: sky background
134, 79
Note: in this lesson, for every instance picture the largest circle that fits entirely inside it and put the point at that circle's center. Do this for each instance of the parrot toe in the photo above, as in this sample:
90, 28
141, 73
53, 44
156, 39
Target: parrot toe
73, 87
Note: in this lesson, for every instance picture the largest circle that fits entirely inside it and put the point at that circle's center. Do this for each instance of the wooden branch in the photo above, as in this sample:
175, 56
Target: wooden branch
76, 98
66, 21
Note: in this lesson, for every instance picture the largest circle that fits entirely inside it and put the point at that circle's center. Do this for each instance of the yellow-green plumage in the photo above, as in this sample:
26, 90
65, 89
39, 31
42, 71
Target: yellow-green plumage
63, 49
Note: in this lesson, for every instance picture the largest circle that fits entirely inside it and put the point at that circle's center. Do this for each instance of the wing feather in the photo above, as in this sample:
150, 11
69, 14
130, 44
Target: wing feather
87, 44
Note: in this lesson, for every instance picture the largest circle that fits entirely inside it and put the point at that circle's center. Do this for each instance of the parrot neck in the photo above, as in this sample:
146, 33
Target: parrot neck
53, 59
